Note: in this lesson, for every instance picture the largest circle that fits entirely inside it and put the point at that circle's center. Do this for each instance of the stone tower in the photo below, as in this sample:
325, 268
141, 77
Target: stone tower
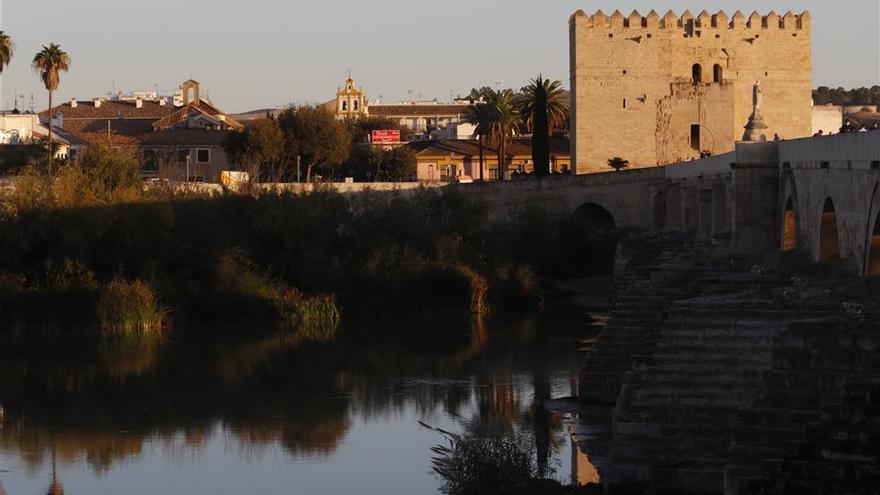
351, 101
658, 90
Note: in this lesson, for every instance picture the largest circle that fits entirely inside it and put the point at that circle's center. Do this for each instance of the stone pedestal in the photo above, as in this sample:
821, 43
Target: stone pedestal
756, 129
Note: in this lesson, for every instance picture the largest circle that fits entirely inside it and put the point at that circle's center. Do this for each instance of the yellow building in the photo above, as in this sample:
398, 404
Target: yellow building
351, 101
454, 160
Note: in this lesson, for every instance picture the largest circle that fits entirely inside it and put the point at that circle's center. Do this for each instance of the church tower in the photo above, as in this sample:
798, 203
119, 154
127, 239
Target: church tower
350, 100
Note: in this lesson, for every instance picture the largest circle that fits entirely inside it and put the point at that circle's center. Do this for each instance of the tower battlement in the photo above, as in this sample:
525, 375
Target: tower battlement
687, 21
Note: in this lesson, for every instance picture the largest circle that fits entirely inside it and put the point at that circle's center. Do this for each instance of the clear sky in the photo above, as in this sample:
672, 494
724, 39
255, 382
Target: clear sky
266, 53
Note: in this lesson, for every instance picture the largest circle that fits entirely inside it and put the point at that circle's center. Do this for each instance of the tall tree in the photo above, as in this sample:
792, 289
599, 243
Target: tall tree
540, 129
557, 105
7, 50
50, 62
315, 135
480, 116
398, 165
504, 122
259, 150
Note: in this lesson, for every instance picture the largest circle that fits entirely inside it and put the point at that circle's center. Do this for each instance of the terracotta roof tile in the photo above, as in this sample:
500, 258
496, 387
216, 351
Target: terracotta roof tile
178, 137
559, 146
417, 110
110, 109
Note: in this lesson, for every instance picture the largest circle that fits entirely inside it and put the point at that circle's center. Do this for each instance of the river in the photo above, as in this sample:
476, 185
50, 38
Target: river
210, 412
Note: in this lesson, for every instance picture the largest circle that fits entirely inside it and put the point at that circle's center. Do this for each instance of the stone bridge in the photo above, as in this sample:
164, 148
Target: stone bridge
818, 195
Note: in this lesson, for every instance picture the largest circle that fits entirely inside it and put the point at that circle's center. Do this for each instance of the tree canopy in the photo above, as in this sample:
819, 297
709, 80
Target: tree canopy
824, 95
315, 135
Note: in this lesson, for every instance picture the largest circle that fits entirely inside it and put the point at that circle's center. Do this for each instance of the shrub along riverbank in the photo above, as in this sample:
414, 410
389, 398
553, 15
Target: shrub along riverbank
86, 246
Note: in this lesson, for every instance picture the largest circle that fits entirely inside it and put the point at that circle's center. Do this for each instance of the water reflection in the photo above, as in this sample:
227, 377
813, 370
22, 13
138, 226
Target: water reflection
94, 411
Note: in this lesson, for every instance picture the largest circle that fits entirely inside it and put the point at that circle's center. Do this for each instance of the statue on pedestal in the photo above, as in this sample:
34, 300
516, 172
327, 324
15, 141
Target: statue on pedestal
756, 129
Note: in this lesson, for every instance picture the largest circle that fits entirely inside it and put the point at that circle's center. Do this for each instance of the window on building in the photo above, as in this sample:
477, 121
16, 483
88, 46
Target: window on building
203, 156
624, 103
695, 137
344, 106
355, 105
72, 154
697, 73
150, 160
718, 73
182, 155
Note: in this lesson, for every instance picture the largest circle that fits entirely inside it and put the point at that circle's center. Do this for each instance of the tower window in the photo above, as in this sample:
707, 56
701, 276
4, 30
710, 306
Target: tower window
718, 73
695, 137
624, 103
697, 73
354, 105
344, 106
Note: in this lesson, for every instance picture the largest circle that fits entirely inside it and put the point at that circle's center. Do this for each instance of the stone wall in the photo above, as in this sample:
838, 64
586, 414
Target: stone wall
827, 118
634, 94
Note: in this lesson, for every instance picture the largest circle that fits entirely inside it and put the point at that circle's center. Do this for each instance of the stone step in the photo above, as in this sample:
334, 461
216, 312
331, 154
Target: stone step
709, 358
715, 397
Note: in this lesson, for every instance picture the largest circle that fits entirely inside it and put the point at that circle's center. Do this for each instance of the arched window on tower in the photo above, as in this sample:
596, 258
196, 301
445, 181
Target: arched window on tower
697, 73
718, 74
354, 105
344, 106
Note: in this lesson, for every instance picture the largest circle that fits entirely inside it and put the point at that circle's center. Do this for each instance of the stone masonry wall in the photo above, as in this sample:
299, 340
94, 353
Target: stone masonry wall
633, 93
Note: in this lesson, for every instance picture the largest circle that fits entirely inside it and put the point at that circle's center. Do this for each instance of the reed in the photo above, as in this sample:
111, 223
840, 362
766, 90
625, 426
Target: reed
129, 307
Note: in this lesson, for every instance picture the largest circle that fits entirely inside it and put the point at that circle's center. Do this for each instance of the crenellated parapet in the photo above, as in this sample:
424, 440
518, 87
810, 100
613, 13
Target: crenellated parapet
687, 20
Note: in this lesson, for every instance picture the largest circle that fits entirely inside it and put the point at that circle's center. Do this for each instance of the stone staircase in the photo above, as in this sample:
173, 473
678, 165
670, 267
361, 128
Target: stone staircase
649, 278
726, 382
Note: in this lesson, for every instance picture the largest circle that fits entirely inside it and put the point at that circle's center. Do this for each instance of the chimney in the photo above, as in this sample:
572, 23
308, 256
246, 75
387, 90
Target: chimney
139, 103
97, 102
73, 103
162, 101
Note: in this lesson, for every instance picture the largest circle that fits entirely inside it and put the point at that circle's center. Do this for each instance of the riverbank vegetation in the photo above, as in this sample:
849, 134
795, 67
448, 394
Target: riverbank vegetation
87, 239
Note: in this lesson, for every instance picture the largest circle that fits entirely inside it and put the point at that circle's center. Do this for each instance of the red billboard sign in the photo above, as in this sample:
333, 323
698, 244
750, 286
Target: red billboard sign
386, 137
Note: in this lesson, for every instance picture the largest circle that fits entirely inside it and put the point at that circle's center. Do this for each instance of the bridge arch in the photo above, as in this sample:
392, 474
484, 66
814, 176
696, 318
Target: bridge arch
829, 233
595, 216
872, 247
593, 239
789, 216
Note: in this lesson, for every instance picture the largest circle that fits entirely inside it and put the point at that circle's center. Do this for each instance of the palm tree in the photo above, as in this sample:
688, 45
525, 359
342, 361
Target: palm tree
618, 163
504, 122
7, 49
49, 63
557, 104
540, 129
479, 115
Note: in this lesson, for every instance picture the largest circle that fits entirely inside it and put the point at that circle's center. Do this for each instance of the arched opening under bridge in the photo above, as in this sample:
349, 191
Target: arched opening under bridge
829, 237
874, 248
789, 227
592, 236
